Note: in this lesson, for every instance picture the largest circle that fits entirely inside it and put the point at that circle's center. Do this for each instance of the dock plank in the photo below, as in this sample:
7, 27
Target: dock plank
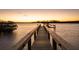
42, 42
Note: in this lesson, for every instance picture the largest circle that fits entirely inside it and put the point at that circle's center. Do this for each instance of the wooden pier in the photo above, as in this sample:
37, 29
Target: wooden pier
42, 41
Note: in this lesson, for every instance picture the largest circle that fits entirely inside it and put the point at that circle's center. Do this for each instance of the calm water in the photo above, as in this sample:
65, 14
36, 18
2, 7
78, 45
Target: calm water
7, 39
69, 32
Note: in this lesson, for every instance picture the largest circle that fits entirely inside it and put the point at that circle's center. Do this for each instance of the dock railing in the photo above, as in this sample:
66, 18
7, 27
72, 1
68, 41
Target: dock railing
26, 40
58, 41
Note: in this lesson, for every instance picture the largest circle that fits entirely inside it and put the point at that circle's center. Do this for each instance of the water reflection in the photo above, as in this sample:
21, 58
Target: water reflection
69, 32
9, 35
7, 39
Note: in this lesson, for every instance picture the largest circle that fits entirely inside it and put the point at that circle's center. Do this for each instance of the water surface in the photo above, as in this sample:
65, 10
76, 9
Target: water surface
8, 39
69, 32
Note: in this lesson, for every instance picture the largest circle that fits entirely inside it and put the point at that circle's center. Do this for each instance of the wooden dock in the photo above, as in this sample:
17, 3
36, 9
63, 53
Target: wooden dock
42, 42
46, 39
39, 38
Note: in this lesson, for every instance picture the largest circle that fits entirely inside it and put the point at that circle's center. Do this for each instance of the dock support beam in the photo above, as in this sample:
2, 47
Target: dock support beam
29, 45
35, 36
48, 36
54, 45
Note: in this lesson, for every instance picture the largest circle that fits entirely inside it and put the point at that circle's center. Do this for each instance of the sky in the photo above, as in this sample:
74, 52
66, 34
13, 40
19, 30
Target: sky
32, 15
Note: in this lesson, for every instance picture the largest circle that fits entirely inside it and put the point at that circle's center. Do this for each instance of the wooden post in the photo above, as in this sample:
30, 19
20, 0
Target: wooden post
49, 36
38, 30
35, 36
54, 45
29, 45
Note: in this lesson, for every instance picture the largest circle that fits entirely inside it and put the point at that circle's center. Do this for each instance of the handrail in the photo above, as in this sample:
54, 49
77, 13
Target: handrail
25, 40
58, 40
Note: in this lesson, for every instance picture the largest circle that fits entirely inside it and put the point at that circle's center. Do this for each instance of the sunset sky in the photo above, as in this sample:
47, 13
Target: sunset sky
31, 15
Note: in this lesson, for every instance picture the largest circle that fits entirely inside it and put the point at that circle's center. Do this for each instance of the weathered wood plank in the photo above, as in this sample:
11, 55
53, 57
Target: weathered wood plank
42, 42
